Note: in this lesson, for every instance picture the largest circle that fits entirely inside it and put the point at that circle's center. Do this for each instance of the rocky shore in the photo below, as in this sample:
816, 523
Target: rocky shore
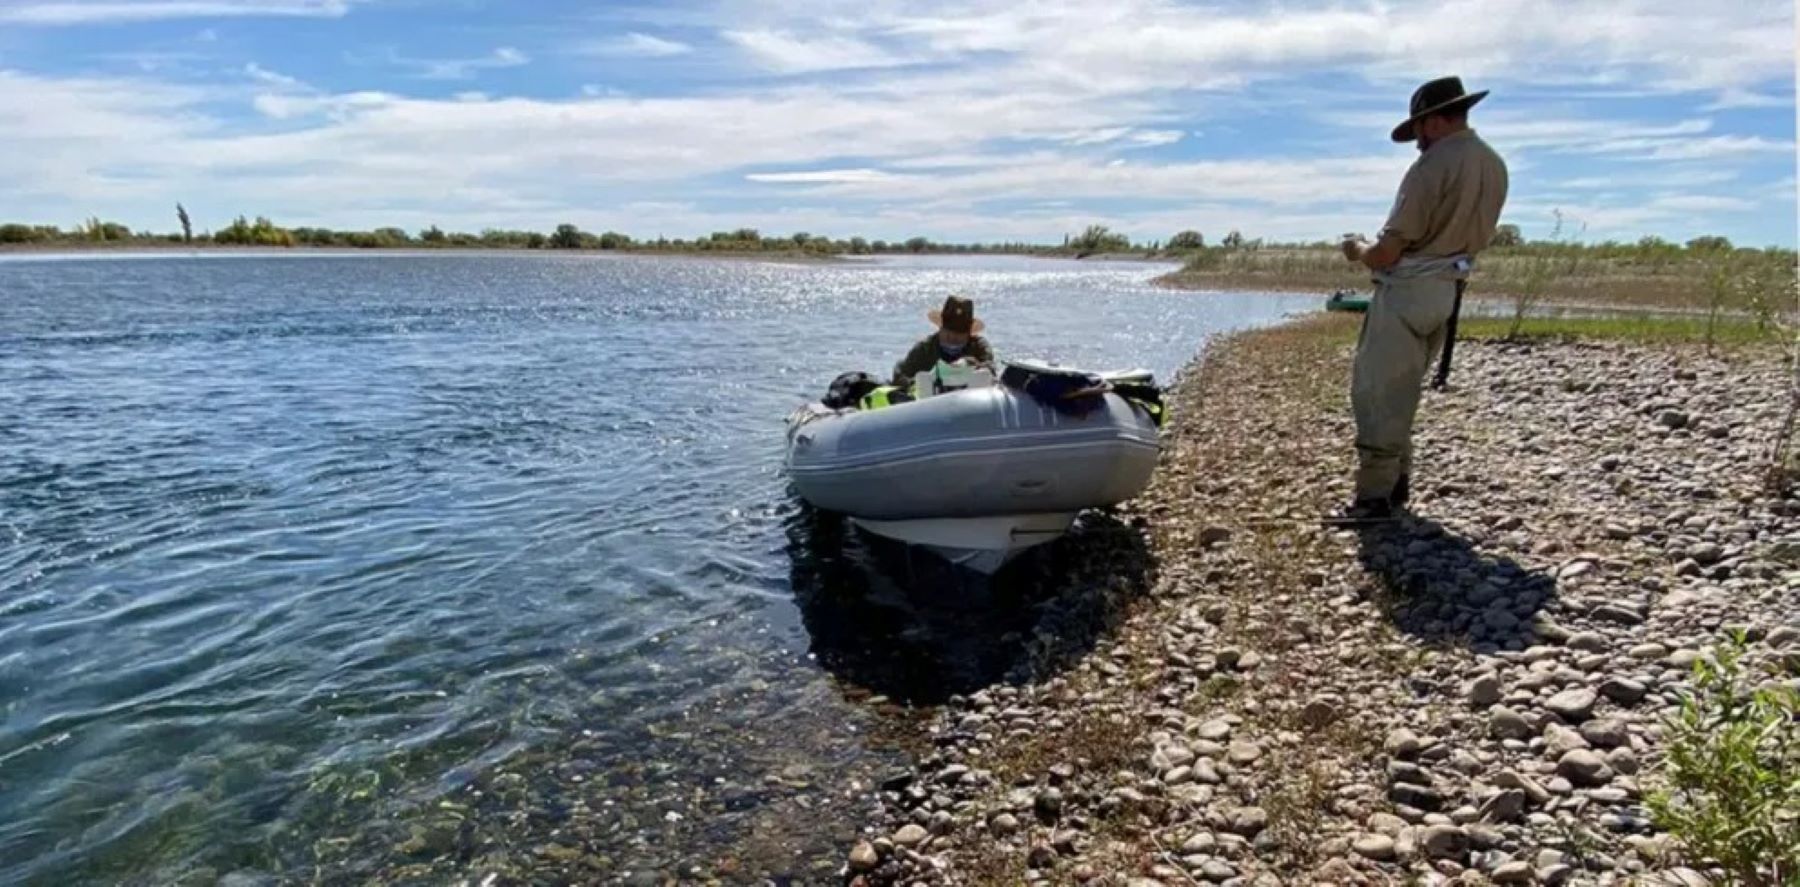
1475, 694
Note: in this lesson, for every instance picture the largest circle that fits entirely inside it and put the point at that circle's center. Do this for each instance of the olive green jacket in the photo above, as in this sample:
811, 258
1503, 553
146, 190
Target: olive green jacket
925, 355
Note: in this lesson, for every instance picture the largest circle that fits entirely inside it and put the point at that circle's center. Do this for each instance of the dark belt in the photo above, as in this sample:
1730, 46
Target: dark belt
1443, 370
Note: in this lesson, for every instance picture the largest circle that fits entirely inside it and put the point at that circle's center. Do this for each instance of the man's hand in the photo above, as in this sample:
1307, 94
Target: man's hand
1352, 246
1383, 255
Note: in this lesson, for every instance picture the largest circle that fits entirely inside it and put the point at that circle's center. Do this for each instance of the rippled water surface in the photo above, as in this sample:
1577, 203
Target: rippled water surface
294, 548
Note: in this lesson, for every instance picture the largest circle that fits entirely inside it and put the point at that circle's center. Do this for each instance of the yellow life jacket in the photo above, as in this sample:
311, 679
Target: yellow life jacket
884, 396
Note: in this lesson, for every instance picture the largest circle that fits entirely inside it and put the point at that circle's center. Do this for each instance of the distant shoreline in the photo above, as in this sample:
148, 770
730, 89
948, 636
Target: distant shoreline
796, 256
150, 247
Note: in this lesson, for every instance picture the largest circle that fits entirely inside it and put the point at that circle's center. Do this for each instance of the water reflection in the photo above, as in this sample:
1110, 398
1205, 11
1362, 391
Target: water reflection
905, 624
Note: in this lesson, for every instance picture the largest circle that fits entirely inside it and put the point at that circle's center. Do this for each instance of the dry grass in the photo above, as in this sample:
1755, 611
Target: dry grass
1612, 277
1104, 744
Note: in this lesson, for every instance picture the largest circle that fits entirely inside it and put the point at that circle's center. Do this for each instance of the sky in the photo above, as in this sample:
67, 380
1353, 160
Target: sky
959, 120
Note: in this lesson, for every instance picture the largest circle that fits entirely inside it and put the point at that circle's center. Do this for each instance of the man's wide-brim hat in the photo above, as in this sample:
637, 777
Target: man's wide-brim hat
1439, 96
957, 316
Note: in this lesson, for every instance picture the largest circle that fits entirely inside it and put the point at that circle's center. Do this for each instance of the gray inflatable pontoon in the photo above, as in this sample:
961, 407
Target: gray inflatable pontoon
979, 474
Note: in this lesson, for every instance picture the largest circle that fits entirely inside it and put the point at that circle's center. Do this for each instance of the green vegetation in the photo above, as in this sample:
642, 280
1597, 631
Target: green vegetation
262, 232
1733, 769
1187, 240
1099, 239
1665, 328
1557, 259
1649, 273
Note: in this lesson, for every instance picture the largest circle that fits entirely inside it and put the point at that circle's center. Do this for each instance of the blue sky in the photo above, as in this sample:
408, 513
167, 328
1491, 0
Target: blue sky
966, 120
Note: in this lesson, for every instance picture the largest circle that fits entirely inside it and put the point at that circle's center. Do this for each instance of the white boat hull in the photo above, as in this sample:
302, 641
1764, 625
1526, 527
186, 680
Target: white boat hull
982, 544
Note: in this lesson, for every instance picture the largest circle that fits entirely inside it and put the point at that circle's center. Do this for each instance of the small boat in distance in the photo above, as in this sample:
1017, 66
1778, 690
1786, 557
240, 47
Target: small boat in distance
982, 473
1347, 300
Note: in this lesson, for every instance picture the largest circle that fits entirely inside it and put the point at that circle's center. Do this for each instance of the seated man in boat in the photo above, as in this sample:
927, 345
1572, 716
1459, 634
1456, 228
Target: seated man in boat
958, 338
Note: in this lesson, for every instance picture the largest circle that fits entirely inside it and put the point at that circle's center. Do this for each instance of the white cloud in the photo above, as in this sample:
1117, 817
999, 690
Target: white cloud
891, 116
1733, 99
463, 69
1715, 147
1682, 178
1702, 203
822, 177
636, 46
271, 78
74, 12
1154, 138
785, 53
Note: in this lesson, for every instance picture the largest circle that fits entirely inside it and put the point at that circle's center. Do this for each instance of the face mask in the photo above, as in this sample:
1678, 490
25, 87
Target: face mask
951, 351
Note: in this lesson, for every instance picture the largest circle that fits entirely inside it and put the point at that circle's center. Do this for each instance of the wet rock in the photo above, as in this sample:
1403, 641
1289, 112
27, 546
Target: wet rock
1048, 804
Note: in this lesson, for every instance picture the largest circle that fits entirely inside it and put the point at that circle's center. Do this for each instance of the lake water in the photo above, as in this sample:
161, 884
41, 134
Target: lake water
388, 567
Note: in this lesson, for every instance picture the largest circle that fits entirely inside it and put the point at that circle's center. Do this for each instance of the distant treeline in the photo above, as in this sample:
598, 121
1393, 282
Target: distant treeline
260, 231
1189, 245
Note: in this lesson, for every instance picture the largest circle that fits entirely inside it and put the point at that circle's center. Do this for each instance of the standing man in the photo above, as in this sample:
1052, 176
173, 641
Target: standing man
1446, 211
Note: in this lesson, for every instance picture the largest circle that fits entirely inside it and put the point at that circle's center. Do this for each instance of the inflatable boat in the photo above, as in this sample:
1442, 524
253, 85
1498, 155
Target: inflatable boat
1347, 300
980, 474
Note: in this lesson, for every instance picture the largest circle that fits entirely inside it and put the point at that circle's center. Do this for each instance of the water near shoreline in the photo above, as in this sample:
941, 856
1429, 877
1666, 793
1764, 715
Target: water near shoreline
348, 565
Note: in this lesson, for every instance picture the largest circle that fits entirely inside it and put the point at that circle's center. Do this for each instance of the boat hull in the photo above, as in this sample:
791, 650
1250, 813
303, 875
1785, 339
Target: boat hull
979, 475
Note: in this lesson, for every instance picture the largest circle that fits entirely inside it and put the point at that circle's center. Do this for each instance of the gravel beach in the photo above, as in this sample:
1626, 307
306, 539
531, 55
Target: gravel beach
1473, 695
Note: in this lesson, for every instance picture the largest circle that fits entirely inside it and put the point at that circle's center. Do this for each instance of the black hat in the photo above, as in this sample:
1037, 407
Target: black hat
957, 316
1436, 97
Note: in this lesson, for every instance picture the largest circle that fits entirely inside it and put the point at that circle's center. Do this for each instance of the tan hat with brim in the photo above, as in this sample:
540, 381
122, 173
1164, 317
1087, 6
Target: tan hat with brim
1436, 97
957, 316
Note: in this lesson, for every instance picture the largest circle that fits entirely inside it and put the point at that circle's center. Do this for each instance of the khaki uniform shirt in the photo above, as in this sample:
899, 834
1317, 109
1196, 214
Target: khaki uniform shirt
924, 356
1450, 200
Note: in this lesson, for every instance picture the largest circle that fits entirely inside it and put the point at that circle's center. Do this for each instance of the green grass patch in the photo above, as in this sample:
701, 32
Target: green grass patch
1733, 769
1628, 327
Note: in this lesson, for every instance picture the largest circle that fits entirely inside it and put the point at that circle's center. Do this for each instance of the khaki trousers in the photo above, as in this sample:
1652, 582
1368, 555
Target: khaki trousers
1404, 329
